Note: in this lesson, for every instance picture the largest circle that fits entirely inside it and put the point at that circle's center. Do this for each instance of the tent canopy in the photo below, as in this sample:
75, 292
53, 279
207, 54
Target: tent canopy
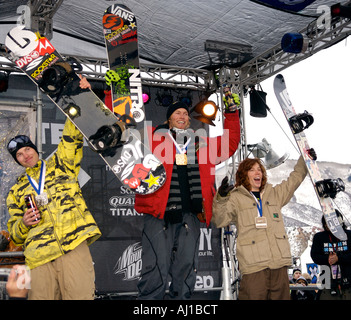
175, 32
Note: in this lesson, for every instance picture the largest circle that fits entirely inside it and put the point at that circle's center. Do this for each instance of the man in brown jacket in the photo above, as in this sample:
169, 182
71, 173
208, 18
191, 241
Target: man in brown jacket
254, 206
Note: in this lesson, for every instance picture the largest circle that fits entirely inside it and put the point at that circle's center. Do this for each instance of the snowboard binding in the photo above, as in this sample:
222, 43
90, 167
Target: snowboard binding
329, 187
55, 78
108, 138
300, 122
312, 154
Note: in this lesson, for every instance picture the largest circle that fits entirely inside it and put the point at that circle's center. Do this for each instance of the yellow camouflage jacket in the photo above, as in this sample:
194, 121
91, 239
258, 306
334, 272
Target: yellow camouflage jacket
65, 220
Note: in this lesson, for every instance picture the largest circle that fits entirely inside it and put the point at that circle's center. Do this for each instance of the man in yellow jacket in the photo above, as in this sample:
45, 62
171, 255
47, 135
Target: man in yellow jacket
55, 236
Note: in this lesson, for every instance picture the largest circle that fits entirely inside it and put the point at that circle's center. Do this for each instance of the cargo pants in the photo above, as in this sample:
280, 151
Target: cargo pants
267, 284
69, 277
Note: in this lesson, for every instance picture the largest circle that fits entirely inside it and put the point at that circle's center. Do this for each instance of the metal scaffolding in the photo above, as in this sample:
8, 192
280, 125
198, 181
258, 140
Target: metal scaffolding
275, 59
248, 74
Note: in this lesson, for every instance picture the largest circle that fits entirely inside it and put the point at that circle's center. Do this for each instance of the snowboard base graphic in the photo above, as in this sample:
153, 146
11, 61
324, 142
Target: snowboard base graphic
325, 189
116, 139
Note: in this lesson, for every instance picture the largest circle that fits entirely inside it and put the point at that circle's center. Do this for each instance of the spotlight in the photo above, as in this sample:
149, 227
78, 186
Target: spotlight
4, 81
165, 99
186, 99
294, 43
337, 10
207, 111
264, 150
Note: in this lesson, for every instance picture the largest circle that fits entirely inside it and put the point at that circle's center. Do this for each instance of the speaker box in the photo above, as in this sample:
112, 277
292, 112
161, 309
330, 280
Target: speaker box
258, 104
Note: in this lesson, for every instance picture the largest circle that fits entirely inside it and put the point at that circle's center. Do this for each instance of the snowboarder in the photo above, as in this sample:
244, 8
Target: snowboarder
172, 214
254, 206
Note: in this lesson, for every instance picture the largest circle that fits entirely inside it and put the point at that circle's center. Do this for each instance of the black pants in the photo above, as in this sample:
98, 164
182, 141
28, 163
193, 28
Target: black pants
169, 251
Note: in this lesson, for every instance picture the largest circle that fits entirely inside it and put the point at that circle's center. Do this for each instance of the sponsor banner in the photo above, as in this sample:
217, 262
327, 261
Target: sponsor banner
118, 263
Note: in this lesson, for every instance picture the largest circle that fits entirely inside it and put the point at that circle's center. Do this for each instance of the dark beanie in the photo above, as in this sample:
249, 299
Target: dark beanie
174, 106
296, 269
19, 142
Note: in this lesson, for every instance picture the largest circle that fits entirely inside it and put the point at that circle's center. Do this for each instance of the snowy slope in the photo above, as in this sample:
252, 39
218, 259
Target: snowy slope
302, 216
304, 208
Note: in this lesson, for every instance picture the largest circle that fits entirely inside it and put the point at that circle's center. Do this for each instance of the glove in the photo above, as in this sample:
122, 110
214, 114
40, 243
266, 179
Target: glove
312, 154
111, 76
231, 103
225, 187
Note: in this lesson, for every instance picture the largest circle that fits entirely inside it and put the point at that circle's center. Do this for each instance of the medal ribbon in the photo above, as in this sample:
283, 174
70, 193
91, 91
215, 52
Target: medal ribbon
259, 204
39, 188
180, 149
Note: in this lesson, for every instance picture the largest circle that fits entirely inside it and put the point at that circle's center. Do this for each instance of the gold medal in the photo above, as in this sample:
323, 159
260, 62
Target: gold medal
181, 159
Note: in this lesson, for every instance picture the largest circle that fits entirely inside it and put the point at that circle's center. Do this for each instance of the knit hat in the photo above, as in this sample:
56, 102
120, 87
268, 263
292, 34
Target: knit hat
174, 106
19, 142
296, 269
302, 279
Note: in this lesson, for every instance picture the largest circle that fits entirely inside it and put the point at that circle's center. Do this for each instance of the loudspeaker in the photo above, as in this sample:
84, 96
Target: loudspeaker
258, 107
272, 160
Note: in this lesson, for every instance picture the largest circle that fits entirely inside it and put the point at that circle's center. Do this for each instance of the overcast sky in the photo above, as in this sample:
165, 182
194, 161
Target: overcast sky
321, 85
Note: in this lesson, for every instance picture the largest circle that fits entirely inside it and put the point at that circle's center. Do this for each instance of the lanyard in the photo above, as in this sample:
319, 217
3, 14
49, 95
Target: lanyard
180, 149
332, 244
39, 187
258, 204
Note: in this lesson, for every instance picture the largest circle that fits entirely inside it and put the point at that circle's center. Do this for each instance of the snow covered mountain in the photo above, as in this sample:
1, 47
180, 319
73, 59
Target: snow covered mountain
302, 216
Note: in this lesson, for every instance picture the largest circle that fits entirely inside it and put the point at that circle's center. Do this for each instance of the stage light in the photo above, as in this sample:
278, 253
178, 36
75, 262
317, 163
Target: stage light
209, 109
4, 81
186, 100
165, 99
206, 110
264, 150
338, 10
294, 43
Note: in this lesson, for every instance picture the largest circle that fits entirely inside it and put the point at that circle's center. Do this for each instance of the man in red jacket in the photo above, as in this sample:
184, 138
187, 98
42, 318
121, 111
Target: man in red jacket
172, 214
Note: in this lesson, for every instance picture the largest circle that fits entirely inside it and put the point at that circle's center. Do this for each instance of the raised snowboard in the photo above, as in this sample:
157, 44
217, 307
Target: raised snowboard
123, 76
117, 142
325, 189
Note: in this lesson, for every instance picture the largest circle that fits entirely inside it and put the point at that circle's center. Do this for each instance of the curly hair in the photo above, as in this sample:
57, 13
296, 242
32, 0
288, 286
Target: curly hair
242, 176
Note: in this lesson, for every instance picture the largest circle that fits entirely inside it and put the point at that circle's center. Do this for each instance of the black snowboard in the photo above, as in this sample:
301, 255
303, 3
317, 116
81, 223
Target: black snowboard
114, 138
